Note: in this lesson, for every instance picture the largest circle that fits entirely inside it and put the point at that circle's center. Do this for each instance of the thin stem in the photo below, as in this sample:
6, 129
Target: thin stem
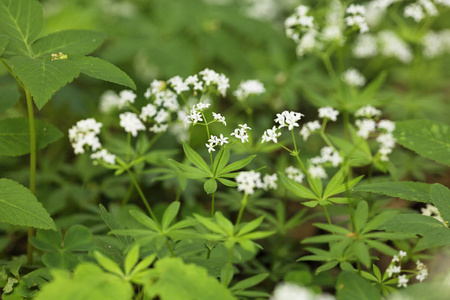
327, 215
170, 248
128, 195
230, 263
144, 199
31, 231
241, 211
128, 147
212, 204
324, 136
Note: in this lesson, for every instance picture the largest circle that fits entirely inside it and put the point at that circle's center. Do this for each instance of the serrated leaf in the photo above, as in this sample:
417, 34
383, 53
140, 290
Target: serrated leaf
407, 190
15, 136
103, 70
169, 215
68, 41
18, 206
297, 188
378, 220
430, 139
440, 196
22, 21
210, 186
411, 223
4, 39
351, 286
43, 77
8, 96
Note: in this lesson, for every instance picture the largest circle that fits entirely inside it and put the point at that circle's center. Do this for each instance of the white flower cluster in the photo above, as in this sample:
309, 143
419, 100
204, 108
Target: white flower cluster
219, 118
212, 78
291, 291
368, 111
103, 155
248, 88
294, 174
249, 181
110, 100
376, 9
131, 123
431, 211
241, 133
436, 43
84, 134
329, 113
288, 119
353, 78
195, 115
420, 9
317, 172
216, 140
327, 154
356, 17
271, 135
308, 128
365, 46
299, 21
421, 270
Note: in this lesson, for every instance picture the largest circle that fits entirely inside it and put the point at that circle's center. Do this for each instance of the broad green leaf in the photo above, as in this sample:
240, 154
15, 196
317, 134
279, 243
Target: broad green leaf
15, 136
113, 224
68, 41
8, 97
297, 188
227, 182
430, 139
43, 77
88, 282
169, 214
351, 286
437, 237
237, 165
440, 196
195, 158
346, 186
78, 238
378, 220
4, 39
18, 206
362, 252
131, 259
177, 280
103, 70
361, 215
210, 186
411, 223
144, 220
407, 190
22, 21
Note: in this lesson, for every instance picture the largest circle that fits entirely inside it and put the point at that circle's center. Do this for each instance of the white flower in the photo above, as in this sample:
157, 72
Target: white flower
167, 99
105, 156
308, 128
365, 127
193, 117
420, 265
368, 111
402, 254
270, 181
201, 106
294, 174
248, 181
248, 88
195, 82
356, 17
219, 118
353, 77
162, 116
387, 125
271, 135
214, 141
148, 111
393, 269
387, 143
211, 77
241, 133
210, 147
317, 172
288, 118
308, 43
395, 258
126, 97
365, 46
392, 46
109, 100
329, 113
84, 133
156, 86
402, 281
178, 84
415, 11
157, 128
431, 211
436, 43
290, 291
131, 123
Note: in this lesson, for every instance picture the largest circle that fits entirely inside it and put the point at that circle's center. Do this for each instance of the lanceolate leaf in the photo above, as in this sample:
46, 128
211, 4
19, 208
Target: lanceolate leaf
69, 41
15, 136
43, 77
103, 70
22, 21
430, 139
18, 206
195, 158
407, 190
296, 188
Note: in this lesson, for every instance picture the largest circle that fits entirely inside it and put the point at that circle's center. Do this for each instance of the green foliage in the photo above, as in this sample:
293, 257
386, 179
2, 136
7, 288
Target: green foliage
413, 191
15, 136
8, 97
351, 286
18, 206
192, 282
430, 139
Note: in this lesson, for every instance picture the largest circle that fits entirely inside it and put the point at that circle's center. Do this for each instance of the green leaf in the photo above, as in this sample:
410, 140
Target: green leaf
378, 220
210, 224
15, 136
144, 220
189, 171
327, 266
4, 39
227, 182
430, 139
224, 223
108, 264
332, 228
436, 237
407, 190
195, 158
169, 214
411, 223
68, 41
326, 238
78, 238
103, 70
250, 226
131, 259
210, 186
335, 181
296, 188
440, 196
113, 224
192, 282
221, 160
346, 185
249, 282
350, 286
361, 215
18, 206
22, 21
43, 77
237, 165
8, 96
362, 252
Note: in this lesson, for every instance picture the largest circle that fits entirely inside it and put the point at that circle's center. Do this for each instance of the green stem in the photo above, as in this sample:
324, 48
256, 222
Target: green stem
324, 136
128, 147
229, 265
212, 204
128, 195
327, 215
31, 231
241, 211
170, 248
144, 199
